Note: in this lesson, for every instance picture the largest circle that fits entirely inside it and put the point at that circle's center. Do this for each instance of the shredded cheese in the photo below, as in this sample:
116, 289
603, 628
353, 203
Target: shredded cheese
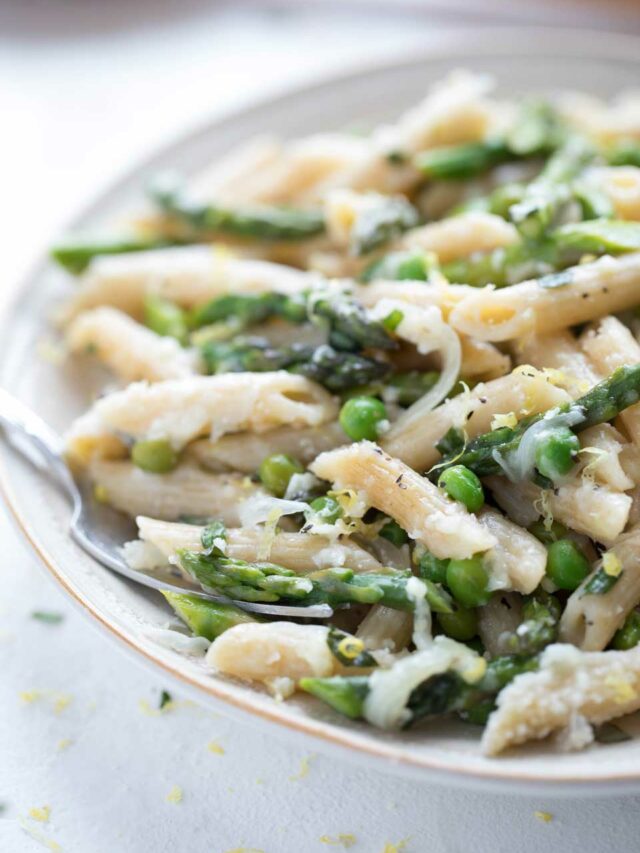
509, 420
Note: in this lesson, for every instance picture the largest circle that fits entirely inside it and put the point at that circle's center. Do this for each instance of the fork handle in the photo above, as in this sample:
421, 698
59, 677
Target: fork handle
35, 440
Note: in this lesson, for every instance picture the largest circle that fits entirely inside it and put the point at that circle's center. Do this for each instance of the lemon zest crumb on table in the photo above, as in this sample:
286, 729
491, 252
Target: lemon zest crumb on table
175, 795
214, 747
64, 743
345, 839
545, 817
304, 768
40, 813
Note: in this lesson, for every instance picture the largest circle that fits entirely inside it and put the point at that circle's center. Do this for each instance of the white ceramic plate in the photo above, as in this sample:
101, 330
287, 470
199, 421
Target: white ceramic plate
522, 61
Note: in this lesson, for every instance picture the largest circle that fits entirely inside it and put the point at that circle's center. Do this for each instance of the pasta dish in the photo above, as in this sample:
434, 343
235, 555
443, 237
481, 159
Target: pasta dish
398, 374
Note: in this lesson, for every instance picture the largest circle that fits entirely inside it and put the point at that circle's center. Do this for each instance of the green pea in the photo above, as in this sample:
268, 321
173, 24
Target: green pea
361, 417
432, 569
629, 635
394, 533
326, 509
276, 470
461, 625
468, 581
567, 566
461, 484
555, 456
155, 455
545, 534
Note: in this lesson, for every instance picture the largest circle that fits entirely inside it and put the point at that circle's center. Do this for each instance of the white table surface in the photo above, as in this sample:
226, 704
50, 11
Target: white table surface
85, 88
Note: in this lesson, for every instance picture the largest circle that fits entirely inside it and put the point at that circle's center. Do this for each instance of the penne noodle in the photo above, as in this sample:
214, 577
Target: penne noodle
611, 345
183, 410
605, 286
571, 687
128, 349
386, 628
419, 507
245, 451
462, 235
518, 560
622, 185
413, 436
582, 505
184, 491
300, 552
589, 621
188, 276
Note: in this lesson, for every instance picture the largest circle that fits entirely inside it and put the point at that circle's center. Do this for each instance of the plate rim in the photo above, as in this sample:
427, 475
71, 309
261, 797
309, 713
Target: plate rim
504, 41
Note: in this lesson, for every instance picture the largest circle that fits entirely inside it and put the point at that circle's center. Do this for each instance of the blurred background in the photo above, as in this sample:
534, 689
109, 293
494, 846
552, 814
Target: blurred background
87, 88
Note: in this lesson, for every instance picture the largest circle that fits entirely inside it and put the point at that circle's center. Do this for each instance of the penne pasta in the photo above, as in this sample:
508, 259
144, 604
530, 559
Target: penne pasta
517, 560
420, 508
589, 621
181, 411
128, 349
413, 436
591, 291
184, 491
300, 552
571, 688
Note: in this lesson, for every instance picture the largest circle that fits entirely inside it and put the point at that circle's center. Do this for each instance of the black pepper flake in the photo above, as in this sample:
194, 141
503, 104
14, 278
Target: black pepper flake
483, 400
584, 295
399, 479
402, 486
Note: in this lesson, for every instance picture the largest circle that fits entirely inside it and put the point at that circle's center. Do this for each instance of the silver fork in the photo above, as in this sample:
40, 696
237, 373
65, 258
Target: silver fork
97, 529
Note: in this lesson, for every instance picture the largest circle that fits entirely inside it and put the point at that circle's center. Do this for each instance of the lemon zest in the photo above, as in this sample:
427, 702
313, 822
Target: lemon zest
41, 814
545, 817
214, 747
304, 769
344, 839
509, 420
611, 565
175, 795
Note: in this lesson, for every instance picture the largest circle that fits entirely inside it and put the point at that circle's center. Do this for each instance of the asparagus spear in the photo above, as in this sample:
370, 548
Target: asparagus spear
206, 618
349, 326
409, 265
535, 131
165, 318
625, 153
504, 266
539, 627
382, 222
337, 371
347, 649
263, 223
75, 255
250, 309
599, 236
491, 452
268, 582
439, 694
544, 197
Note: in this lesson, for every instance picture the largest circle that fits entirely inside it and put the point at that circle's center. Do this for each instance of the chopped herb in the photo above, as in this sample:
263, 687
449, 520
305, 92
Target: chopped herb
610, 733
48, 616
165, 698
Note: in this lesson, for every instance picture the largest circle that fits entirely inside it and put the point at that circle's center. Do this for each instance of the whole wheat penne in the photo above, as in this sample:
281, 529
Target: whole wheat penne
582, 505
419, 507
128, 349
187, 490
609, 345
413, 436
622, 185
300, 552
517, 560
499, 618
183, 410
458, 236
589, 621
561, 351
188, 276
245, 451
542, 306
386, 628
570, 687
